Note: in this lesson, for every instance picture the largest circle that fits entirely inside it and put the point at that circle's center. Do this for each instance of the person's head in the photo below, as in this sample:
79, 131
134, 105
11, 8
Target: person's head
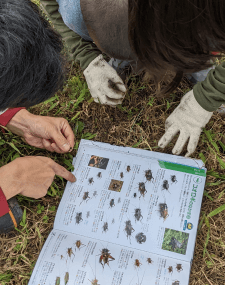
32, 66
176, 35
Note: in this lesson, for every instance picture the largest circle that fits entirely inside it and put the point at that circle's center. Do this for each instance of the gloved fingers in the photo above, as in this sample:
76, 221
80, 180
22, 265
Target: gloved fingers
118, 81
115, 89
192, 144
181, 141
168, 136
168, 124
105, 100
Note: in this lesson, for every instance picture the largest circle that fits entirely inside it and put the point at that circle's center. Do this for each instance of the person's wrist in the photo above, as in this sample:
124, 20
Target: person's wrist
19, 122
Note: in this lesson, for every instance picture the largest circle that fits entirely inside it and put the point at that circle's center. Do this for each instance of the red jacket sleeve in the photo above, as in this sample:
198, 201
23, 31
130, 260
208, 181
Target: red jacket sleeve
4, 207
7, 116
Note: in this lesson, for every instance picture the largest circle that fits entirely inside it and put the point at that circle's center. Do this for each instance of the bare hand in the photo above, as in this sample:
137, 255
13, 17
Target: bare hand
31, 176
53, 134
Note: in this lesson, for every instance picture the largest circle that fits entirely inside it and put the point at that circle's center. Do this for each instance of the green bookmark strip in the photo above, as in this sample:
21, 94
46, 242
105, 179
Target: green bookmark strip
182, 168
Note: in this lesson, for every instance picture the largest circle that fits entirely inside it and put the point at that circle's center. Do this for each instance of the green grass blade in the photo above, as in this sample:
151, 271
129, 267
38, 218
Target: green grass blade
217, 211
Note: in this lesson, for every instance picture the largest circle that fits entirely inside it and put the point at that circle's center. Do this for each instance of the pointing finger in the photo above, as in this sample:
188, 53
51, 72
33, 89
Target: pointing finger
63, 172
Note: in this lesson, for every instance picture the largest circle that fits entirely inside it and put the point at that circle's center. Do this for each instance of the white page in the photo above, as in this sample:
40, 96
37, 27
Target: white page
83, 264
110, 216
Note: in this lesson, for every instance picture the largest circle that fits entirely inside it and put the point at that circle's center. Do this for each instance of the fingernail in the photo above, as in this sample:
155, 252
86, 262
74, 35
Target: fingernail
66, 146
70, 149
74, 179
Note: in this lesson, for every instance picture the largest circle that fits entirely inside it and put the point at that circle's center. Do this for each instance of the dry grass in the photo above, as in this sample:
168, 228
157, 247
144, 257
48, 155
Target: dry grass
139, 122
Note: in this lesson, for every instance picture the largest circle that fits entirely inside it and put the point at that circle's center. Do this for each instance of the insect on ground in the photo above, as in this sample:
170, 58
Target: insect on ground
179, 267
79, 245
78, 217
149, 260
99, 175
142, 189
121, 175
170, 269
163, 209
85, 197
148, 175
105, 257
128, 229
91, 181
128, 168
137, 263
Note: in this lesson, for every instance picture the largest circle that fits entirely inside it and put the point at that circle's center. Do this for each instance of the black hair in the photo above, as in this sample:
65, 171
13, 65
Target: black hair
32, 67
176, 35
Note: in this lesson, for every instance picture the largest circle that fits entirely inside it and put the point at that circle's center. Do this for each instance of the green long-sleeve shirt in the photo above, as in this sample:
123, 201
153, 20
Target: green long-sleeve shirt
210, 94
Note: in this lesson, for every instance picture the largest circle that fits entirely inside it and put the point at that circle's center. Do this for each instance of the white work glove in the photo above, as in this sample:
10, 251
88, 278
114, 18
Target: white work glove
188, 118
104, 83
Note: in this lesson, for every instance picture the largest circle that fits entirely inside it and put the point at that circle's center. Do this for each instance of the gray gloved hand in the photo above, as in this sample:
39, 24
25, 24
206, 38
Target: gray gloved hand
188, 118
104, 83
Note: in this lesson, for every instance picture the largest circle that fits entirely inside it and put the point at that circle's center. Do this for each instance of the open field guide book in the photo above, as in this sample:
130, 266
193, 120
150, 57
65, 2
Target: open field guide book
131, 218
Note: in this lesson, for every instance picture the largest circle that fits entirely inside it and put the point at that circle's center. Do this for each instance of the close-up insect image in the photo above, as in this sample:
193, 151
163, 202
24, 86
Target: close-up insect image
85, 197
170, 269
57, 281
137, 263
128, 168
142, 189
173, 178
179, 267
128, 229
66, 278
163, 210
148, 175
78, 218
112, 203
121, 175
105, 257
79, 245
149, 260
105, 227
115, 185
165, 185
137, 214
90, 181
134, 195
176, 282
99, 175
70, 253
140, 238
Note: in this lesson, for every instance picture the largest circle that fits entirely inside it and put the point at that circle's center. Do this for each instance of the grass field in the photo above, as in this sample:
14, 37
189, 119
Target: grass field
138, 122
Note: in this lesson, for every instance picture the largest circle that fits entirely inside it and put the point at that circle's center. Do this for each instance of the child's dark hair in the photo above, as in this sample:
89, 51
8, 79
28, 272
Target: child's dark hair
32, 66
176, 35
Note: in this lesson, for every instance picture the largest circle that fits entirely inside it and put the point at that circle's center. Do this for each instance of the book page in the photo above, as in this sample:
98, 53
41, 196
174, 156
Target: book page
133, 200
73, 259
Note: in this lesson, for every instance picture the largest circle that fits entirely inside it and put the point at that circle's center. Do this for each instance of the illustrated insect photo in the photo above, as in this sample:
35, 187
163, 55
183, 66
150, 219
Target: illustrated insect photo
142, 189
57, 281
148, 175
85, 197
137, 263
88, 214
121, 175
165, 185
176, 282
111, 203
91, 180
173, 178
79, 245
66, 278
105, 257
170, 269
94, 282
128, 228
137, 214
79, 217
105, 227
163, 209
128, 168
140, 238
175, 243
99, 175
149, 260
95, 194
179, 267
135, 195
115, 185
70, 253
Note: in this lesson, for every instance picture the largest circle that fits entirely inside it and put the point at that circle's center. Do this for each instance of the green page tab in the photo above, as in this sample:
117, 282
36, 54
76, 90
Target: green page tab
182, 168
